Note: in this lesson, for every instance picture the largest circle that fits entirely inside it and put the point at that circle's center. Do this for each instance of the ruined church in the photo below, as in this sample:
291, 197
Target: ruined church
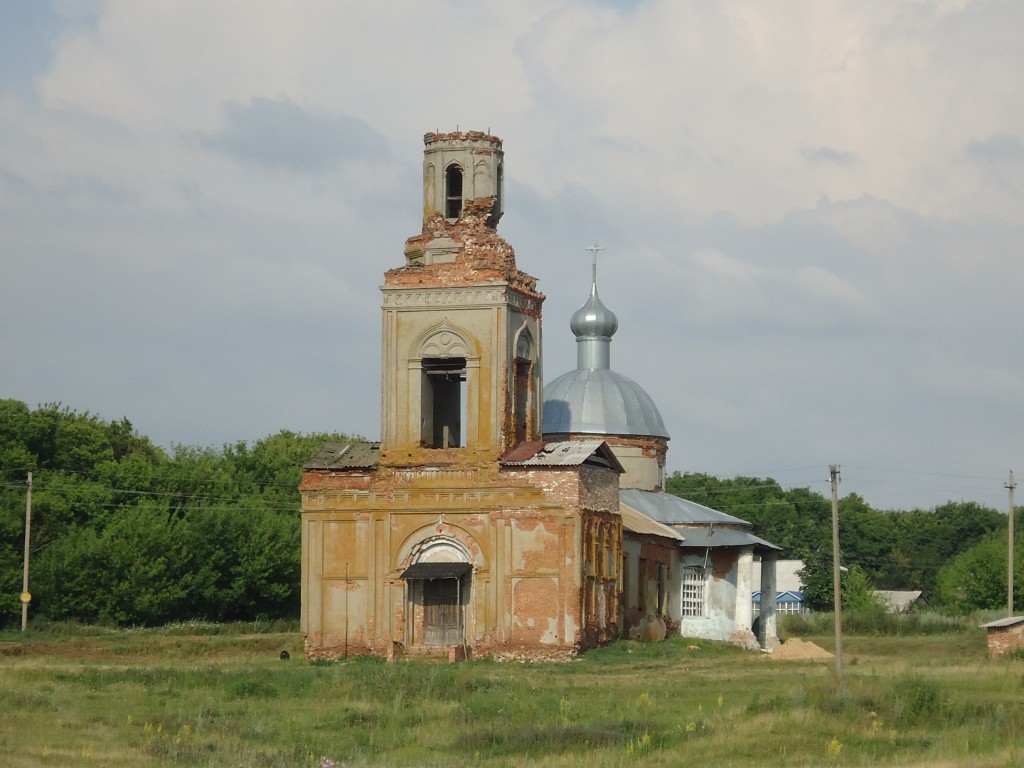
498, 516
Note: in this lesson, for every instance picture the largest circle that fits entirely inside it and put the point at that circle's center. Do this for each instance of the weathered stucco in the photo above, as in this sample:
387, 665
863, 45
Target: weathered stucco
533, 584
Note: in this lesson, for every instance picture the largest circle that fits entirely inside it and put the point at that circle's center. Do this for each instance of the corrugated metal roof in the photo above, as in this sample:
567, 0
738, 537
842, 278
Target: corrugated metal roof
1007, 622
637, 522
672, 510
345, 456
568, 453
709, 536
521, 452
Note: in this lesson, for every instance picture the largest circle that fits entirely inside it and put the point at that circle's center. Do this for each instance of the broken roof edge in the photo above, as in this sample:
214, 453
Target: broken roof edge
359, 455
564, 453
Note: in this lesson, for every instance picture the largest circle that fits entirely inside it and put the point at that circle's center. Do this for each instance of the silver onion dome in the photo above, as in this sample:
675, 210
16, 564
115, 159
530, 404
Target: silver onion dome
594, 399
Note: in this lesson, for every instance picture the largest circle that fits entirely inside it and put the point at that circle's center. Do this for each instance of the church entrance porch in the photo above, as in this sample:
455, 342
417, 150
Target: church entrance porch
438, 594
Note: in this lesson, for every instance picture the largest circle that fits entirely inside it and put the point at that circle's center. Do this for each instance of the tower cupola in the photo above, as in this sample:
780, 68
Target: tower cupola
461, 167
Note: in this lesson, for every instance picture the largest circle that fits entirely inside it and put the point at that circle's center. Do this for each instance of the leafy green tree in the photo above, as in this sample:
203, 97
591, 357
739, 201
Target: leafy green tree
976, 578
818, 577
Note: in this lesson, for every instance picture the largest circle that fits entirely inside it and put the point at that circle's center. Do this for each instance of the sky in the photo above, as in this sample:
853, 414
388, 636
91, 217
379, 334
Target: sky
811, 215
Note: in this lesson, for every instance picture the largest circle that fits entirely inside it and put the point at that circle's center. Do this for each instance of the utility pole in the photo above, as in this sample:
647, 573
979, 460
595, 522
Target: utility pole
1010, 485
837, 592
26, 596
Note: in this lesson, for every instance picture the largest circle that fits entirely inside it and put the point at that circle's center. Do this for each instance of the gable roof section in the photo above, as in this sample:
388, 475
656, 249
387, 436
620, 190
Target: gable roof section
786, 596
567, 453
345, 456
900, 600
672, 510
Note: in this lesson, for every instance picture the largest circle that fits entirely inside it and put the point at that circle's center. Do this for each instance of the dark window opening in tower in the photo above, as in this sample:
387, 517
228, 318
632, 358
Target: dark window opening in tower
522, 398
499, 190
444, 380
452, 192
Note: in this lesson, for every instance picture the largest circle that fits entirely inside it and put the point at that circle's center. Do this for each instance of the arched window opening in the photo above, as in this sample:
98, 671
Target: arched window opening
444, 380
523, 393
452, 192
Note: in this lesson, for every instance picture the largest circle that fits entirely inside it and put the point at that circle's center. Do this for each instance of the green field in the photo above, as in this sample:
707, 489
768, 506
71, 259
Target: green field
207, 695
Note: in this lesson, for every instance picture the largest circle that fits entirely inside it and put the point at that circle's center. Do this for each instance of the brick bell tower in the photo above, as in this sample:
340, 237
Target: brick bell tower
461, 362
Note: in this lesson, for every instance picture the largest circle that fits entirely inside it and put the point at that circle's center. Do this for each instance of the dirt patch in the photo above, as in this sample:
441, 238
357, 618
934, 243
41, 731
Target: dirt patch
796, 649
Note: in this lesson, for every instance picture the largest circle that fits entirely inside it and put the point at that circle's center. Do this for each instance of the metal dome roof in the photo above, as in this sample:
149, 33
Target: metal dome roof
594, 399
600, 401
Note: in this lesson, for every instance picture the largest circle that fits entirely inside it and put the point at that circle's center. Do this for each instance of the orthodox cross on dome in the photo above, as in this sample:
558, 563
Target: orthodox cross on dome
594, 249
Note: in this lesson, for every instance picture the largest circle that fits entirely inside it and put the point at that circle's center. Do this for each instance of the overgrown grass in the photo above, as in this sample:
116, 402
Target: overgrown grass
39, 629
225, 698
879, 623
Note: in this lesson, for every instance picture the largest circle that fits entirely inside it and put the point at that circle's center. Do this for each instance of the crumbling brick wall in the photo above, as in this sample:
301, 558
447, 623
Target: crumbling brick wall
1002, 640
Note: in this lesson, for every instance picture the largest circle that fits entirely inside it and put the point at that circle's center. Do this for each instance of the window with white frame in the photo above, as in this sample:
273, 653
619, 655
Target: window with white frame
693, 593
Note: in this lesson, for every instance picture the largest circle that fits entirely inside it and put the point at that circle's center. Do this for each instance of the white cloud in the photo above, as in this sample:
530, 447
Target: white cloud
811, 213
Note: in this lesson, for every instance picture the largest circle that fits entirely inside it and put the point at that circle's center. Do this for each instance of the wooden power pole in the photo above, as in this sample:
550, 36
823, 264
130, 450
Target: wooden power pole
1010, 485
837, 591
26, 596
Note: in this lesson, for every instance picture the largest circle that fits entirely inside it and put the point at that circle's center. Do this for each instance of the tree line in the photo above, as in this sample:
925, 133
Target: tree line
956, 553
125, 532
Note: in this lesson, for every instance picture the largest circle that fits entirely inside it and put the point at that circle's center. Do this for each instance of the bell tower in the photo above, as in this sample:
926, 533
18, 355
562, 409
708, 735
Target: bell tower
461, 378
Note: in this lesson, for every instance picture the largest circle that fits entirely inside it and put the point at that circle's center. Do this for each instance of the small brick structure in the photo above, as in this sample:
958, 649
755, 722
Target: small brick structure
1005, 635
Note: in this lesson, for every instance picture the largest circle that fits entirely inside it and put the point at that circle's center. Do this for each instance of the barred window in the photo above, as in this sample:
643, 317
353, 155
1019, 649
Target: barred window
693, 593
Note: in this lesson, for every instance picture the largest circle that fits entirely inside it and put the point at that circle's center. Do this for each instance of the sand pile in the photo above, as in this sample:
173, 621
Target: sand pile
799, 650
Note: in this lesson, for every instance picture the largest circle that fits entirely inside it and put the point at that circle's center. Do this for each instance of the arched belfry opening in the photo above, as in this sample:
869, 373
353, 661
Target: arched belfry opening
523, 393
452, 191
444, 401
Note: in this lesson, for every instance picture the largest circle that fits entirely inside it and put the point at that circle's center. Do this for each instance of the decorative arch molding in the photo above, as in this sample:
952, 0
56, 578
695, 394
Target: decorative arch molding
481, 178
445, 340
440, 542
524, 346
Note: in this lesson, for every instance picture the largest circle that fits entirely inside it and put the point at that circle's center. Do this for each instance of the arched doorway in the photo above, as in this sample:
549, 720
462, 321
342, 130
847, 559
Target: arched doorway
439, 588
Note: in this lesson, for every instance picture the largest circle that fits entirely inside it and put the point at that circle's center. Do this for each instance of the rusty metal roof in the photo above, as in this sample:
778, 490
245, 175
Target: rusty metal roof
567, 453
345, 456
